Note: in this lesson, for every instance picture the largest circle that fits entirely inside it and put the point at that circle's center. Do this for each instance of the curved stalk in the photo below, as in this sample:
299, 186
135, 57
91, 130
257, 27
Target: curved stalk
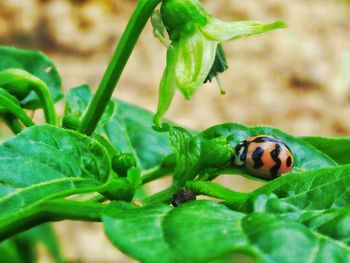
216, 190
51, 211
163, 196
15, 110
13, 123
47, 102
155, 174
137, 22
21, 81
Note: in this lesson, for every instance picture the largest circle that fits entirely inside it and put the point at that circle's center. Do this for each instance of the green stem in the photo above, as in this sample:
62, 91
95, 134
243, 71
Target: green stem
137, 22
22, 82
215, 190
13, 123
15, 110
155, 174
72, 210
47, 102
50, 211
97, 199
161, 197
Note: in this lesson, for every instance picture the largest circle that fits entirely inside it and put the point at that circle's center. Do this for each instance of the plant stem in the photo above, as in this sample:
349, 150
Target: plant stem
13, 123
67, 209
161, 197
138, 20
22, 81
50, 211
47, 102
15, 110
215, 190
155, 174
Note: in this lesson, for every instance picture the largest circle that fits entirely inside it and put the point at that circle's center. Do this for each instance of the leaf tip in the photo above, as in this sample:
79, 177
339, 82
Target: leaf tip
279, 24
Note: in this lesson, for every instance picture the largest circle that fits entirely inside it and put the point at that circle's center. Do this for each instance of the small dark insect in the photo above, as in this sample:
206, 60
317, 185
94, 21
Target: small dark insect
264, 156
182, 196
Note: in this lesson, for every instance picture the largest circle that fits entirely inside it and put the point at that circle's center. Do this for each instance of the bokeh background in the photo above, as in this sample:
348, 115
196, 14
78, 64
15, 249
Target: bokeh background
296, 79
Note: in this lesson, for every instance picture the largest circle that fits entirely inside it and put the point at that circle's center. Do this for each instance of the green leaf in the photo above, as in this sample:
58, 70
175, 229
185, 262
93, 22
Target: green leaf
44, 235
137, 232
279, 240
23, 247
134, 177
187, 149
332, 222
77, 100
26, 244
38, 65
201, 231
9, 252
45, 162
128, 128
337, 148
216, 152
299, 192
319, 199
306, 156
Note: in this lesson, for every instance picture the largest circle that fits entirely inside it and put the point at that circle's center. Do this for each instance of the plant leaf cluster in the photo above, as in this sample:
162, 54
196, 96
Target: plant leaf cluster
55, 171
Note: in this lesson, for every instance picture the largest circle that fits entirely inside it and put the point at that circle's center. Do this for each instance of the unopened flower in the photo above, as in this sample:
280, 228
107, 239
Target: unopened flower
194, 55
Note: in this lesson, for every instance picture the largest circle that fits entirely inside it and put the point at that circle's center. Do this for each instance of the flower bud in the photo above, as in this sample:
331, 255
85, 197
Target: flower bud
122, 162
119, 189
216, 152
70, 122
182, 16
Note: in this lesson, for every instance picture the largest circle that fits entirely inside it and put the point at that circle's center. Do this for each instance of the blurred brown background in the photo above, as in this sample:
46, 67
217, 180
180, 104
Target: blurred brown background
295, 79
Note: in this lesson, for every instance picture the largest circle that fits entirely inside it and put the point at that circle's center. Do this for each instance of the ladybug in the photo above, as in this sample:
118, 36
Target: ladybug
264, 156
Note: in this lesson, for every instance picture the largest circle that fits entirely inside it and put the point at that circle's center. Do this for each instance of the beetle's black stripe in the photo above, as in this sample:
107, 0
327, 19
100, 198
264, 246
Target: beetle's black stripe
266, 139
244, 145
274, 154
289, 161
256, 156
270, 139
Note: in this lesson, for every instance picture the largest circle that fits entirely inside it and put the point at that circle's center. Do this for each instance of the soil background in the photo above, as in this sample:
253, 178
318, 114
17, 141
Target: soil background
295, 79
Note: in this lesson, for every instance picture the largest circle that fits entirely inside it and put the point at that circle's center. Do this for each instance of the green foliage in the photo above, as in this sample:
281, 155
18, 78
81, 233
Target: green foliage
318, 189
48, 173
9, 252
23, 247
77, 100
202, 231
127, 127
187, 151
52, 163
37, 64
337, 147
